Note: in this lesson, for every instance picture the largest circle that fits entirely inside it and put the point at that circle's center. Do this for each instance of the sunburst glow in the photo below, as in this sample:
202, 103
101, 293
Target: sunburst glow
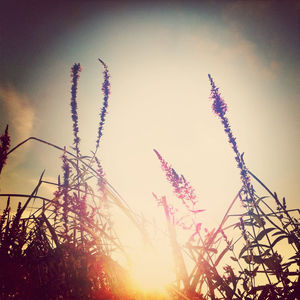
150, 271
197, 201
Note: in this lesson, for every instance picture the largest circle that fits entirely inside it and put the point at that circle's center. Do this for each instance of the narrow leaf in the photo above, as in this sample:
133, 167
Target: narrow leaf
278, 232
278, 239
221, 256
263, 233
243, 250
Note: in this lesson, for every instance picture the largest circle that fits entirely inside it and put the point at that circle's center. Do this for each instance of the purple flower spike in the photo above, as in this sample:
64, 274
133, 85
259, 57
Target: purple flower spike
219, 106
75, 70
66, 198
106, 92
4, 146
220, 109
181, 188
101, 178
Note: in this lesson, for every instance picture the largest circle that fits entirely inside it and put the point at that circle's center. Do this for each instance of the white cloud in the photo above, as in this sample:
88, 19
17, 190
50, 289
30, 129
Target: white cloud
256, 60
20, 112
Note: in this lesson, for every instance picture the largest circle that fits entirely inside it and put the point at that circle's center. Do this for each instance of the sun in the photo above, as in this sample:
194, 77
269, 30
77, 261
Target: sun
151, 271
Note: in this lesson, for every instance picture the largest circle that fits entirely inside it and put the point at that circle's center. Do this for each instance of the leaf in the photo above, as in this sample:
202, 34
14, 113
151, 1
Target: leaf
263, 233
88, 178
84, 157
259, 199
247, 258
221, 256
251, 246
278, 232
286, 265
278, 239
267, 252
243, 250
245, 285
255, 289
253, 258
236, 225
51, 229
294, 256
233, 258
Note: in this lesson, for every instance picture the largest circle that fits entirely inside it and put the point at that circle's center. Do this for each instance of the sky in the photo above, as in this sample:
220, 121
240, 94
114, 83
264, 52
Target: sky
159, 55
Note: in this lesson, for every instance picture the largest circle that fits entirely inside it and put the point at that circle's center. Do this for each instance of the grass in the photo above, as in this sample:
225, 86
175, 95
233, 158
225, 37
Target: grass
68, 248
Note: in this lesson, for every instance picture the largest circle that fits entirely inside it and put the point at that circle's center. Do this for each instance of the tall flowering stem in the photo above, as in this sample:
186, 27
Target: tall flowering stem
106, 93
66, 198
220, 108
101, 182
75, 70
4, 146
181, 188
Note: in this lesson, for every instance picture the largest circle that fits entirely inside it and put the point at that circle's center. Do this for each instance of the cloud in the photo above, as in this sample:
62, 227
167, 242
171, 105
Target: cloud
252, 52
19, 112
256, 61
16, 110
256, 9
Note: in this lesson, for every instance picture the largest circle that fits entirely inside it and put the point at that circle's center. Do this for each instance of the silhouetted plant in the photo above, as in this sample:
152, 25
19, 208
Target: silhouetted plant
65, 248
4, 146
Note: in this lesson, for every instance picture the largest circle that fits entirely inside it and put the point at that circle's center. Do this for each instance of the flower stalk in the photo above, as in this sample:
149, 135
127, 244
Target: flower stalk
75, 70
4, 147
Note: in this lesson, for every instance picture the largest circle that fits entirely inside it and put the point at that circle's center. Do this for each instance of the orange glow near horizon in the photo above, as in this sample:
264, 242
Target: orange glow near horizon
151, 271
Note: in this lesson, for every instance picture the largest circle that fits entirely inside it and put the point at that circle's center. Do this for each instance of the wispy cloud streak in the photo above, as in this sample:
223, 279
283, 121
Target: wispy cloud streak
20, 113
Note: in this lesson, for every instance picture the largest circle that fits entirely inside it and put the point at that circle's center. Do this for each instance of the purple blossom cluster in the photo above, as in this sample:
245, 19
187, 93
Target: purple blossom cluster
101, 177
65, 191
4, 146
219, 106
220, 109
67, 170
75, 70
182, 188
106, 92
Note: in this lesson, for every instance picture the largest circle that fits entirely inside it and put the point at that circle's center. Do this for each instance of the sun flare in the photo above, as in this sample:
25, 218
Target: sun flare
151, 271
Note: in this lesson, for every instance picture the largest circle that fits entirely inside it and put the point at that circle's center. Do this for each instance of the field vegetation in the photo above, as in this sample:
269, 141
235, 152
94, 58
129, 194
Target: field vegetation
68, 248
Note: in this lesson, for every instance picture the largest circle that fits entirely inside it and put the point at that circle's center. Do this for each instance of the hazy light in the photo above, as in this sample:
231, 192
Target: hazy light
159, 63
151, 271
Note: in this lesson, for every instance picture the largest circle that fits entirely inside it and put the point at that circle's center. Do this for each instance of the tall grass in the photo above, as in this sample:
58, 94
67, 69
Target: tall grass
67, 248
254, 265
